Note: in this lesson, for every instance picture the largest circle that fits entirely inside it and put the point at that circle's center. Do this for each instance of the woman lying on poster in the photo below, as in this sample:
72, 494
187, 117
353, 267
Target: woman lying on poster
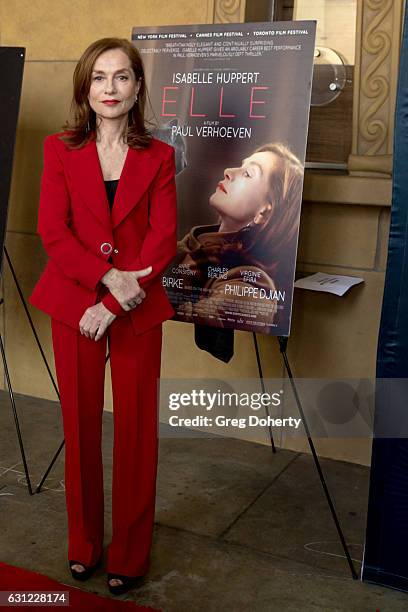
239, 273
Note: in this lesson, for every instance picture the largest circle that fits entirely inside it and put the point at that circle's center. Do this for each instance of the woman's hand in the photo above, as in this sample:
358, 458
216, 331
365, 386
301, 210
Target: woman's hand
124, 286
95, 321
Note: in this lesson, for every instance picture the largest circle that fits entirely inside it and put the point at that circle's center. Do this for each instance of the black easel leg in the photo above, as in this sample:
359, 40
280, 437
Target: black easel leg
13, 404
283, 342
56, 455
48, 470
258, 360
38, 488
30, 321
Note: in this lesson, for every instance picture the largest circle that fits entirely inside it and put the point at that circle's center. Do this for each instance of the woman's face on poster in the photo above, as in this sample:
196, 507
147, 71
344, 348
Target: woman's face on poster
243, 195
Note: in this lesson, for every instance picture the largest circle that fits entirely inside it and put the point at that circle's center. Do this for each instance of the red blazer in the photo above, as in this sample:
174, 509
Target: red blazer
84, 239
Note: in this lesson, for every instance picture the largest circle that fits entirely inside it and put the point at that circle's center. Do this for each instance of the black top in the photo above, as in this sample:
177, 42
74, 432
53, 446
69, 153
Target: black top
111, 190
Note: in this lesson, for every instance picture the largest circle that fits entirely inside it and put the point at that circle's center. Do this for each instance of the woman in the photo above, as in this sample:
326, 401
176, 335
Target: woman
240, 271
102, 284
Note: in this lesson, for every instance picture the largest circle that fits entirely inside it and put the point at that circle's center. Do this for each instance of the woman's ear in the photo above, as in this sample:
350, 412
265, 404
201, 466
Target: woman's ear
263, 215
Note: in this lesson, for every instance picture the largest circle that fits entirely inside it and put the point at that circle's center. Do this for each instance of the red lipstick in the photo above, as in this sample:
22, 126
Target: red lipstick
110, 102
222, 187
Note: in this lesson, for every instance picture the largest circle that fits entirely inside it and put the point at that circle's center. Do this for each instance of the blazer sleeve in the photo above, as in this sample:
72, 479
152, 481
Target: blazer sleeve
160, 243
60, 243
112, 304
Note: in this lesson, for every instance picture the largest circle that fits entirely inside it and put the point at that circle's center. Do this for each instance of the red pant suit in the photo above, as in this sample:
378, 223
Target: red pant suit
83, 240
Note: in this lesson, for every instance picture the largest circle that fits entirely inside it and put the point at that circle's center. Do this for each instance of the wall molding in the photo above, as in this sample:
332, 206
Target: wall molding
229, 11
378, 36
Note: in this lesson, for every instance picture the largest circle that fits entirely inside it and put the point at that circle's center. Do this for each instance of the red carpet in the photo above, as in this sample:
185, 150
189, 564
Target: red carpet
16, 578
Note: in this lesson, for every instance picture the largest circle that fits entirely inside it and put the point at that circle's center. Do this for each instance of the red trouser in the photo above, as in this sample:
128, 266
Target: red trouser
135, 368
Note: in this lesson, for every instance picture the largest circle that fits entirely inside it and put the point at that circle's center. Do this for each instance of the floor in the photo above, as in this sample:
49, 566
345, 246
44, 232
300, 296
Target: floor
237, 527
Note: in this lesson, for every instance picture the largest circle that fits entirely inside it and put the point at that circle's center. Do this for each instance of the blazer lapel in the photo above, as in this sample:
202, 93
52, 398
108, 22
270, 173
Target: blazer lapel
86, 174
139, 169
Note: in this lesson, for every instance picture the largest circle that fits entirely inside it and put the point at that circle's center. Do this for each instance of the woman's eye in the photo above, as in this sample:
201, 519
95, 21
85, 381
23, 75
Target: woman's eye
246, 173
121, 76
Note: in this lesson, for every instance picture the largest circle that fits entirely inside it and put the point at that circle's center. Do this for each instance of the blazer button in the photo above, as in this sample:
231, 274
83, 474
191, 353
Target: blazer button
115, 251
106, 248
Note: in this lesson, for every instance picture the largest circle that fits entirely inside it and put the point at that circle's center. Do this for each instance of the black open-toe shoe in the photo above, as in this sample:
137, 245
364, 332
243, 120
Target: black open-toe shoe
129, 582
86, 573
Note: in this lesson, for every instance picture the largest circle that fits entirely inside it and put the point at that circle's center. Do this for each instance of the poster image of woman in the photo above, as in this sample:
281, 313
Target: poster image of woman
239, 272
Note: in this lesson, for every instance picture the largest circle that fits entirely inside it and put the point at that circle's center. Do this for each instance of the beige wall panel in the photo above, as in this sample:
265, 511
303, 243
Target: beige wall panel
62, 30
344, 189
108, 404
354, 450
383, 235
46, 95
271, 359
337, 336
182, 359
336, 23
27, 370
45, 100
338, 235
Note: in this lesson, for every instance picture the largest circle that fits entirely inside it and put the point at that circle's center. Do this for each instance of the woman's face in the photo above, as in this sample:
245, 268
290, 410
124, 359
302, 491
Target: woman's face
113, 79
243, 196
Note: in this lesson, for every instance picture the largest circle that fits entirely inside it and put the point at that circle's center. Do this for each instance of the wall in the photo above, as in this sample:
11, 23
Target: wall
344, 221
335, 24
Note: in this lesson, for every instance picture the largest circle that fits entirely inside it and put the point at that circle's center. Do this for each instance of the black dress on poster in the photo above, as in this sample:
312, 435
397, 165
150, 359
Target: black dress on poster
11, 70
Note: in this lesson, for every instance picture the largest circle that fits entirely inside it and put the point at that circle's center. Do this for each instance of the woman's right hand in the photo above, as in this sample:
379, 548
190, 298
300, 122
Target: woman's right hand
124, 286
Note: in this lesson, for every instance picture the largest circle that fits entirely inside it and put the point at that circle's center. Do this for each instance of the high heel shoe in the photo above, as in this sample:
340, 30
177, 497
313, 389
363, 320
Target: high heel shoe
86, 573
129, 582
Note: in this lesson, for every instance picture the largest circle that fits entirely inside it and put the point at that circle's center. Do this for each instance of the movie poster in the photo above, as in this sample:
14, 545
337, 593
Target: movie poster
233, 100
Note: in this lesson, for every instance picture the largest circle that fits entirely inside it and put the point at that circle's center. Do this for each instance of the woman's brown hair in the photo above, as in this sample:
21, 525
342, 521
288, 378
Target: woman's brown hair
280, 232
272, 245
81, 127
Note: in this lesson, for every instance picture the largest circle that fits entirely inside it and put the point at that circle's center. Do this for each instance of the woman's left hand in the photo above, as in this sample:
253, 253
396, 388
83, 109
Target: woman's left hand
95, 321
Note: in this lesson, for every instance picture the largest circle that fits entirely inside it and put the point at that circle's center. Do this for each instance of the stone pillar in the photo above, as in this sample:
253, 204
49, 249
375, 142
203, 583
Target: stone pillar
227, 11
378, 38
